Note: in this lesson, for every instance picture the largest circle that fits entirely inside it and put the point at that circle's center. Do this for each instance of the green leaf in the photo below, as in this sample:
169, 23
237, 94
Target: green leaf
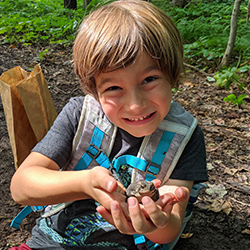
211, 79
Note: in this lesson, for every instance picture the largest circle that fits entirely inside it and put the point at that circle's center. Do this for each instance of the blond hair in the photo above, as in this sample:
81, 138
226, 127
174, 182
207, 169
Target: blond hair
112, 37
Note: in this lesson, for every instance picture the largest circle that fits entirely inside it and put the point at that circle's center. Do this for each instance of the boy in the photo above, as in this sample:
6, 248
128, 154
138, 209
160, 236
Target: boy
128, 55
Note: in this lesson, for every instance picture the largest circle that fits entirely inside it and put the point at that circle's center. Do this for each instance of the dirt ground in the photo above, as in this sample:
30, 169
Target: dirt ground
221, 217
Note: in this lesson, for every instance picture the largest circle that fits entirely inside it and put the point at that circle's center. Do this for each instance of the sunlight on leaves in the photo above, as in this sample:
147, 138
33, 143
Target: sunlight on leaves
220, 205
210, 166
187, 235
219, 190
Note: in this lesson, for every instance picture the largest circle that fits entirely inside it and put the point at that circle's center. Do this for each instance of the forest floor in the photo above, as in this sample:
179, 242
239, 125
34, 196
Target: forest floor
221, 216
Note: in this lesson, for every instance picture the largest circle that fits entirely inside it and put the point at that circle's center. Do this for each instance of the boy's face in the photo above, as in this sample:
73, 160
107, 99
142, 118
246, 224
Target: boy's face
135, 98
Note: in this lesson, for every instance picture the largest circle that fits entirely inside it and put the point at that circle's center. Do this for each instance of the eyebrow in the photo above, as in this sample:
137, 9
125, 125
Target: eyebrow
105, 80
144, 71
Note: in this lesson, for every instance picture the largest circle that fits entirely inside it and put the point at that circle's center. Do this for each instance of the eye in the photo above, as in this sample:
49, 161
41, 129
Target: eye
112, 88
149, 79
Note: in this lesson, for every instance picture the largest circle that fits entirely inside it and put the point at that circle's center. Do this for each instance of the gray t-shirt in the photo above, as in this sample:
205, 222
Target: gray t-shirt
79, 226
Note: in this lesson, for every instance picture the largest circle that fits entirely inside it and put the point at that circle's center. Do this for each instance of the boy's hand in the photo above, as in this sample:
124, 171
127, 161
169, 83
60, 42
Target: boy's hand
147, 217
103, 188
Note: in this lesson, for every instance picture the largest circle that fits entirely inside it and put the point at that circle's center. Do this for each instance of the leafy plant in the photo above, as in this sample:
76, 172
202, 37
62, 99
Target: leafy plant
237, 101
205, 26
225, 77
43, 53
37, 21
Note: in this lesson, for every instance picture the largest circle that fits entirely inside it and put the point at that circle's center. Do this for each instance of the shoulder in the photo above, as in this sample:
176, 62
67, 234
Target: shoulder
196, 143
192, 163
179, 115
57, 142
71, 112
74, 106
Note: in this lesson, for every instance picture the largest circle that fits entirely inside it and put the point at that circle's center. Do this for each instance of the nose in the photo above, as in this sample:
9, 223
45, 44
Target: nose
136, 100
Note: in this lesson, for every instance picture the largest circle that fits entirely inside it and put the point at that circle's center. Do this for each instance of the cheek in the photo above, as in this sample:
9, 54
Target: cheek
107, 109
110, 109
164, 97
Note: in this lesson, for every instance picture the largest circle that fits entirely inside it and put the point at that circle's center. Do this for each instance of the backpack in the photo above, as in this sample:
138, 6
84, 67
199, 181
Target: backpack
157, 156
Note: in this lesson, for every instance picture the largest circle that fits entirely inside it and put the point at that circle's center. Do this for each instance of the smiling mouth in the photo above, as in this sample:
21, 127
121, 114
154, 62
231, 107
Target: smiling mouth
140, 118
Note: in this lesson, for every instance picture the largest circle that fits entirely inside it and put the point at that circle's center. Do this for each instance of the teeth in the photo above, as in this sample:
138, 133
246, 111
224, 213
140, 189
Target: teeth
137, 119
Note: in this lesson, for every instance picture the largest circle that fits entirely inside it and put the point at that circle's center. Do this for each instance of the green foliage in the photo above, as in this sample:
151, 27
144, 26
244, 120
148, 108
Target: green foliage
205, 26
225, 77
204, 51
38, 21
237, 101
42, 53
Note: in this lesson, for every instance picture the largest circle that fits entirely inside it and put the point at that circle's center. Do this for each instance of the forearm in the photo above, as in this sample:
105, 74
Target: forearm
41, 186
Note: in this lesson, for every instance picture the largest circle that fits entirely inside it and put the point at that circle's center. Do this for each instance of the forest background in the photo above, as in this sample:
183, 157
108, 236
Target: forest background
205, 27
42, 32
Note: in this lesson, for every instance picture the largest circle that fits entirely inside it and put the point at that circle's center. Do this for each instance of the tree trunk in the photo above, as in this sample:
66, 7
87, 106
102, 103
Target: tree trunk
179, 3
70, 4
86, 3
232, 36
248, 11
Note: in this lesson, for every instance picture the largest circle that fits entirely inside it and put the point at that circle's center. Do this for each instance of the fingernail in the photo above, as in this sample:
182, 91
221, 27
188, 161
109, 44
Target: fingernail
131, 202
114, 206
110, 185
146, 201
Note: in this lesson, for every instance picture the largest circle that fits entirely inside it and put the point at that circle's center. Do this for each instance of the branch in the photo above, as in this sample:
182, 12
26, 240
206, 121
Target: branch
198, 70
232, 36
248, 12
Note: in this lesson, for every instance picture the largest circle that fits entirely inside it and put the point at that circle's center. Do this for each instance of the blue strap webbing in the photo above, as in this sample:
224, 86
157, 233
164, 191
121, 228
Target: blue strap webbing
94, 152
162, 147
130, 160
24, 212
152, 167
152, 246
139, 238
19, 218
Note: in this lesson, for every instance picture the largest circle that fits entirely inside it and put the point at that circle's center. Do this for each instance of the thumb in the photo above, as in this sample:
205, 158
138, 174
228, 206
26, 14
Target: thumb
110, 184
182, 193
103, 178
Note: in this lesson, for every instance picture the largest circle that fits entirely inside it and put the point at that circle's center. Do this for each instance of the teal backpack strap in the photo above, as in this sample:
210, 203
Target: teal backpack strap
94, 152
24, 212
153, 167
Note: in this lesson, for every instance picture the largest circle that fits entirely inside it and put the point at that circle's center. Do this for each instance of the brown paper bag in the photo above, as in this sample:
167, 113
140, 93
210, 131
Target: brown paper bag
28, 107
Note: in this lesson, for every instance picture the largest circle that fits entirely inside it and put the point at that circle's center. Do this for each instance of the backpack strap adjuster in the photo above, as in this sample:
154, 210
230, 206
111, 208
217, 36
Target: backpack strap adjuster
152, 168
93, 151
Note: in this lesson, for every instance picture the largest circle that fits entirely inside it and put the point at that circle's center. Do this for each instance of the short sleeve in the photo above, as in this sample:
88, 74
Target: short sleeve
57, 143
192, 163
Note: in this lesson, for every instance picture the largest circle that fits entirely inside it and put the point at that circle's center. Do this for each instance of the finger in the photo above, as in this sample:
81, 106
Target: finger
156, 182
106, 215
138, 218
182, 194
120, 221
168, 198
157, 216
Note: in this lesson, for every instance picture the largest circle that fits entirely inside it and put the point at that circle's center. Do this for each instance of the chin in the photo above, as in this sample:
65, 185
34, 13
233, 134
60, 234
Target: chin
140, 133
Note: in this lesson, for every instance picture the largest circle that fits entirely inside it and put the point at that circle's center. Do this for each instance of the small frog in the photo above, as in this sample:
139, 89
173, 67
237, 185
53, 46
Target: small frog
142, 188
